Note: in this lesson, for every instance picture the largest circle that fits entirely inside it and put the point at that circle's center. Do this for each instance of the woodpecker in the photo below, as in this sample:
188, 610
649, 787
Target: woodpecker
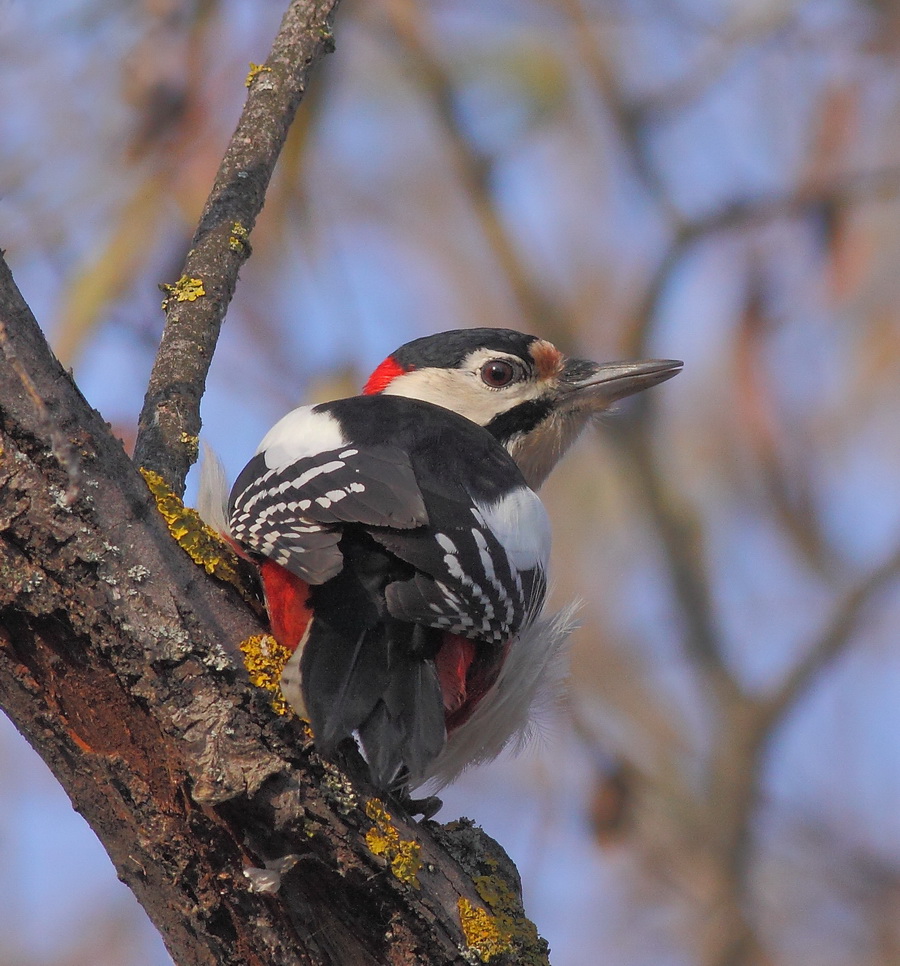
403, 550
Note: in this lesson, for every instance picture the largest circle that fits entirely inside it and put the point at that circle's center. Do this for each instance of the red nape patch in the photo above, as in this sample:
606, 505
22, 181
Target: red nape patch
383, 376
287, 601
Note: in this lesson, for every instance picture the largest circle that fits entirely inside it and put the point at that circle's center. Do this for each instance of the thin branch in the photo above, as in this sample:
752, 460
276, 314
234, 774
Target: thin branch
681, 539
61, 447
858, 187
169, 424
628, 118
876, 185
834, 640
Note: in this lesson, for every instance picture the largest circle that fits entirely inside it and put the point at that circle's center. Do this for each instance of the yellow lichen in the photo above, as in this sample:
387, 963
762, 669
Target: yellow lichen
506, 929
255, 71
239, 239
200, 542
484, 933
518, 931
265, 659
184, 290
404, 855
192, 442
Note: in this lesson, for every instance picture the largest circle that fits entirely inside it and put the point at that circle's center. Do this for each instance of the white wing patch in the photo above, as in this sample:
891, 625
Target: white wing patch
300, 434
520, 522
487, 561
487, 579
463, 622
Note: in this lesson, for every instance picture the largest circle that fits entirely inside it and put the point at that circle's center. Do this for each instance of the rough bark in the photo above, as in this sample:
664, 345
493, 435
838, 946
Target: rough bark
115, 663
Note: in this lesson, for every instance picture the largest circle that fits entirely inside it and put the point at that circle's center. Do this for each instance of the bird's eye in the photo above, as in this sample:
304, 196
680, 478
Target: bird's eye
497, 373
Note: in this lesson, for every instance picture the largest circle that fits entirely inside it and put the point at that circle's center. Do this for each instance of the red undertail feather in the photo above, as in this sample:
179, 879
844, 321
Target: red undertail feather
383, 376
453, 661
287, 599
464, 679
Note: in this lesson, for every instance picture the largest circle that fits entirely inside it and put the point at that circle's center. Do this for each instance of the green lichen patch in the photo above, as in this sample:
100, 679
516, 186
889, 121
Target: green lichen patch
239, 239
192, 443
500, 932
517, 930
338, 788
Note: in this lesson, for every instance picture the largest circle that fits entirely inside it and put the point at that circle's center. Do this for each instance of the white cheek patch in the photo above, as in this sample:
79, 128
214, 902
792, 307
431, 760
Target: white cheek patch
520, 522
300, 434
462, 389
453, 389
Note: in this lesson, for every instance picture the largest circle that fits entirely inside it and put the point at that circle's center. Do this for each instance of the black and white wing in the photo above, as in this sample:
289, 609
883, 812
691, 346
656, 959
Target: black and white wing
481, 567
291, 499
476, 536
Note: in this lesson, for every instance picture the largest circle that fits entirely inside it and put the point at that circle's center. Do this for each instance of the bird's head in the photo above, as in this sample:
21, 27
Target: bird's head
519, 387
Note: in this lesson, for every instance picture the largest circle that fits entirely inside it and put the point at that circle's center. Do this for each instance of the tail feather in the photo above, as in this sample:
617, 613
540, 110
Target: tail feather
394, 706
415, 700
343, 680
381, 738
212, 494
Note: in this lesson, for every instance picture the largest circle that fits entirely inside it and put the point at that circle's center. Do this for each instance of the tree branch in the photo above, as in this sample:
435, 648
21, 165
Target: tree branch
169, 424
681, 541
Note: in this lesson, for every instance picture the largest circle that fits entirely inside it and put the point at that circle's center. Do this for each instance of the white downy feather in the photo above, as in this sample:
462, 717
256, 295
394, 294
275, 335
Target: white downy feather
531, 682
212, 492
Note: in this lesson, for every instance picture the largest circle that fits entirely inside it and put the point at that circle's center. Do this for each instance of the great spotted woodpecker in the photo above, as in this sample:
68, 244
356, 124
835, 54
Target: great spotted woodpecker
403, 551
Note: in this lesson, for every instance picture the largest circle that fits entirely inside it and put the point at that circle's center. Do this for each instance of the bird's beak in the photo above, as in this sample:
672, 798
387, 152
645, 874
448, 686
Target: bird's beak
595, 387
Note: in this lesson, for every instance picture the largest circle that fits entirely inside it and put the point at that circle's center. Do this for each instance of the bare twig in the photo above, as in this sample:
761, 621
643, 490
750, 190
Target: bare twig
787, 486
856, 187
833, 641
628, 118
170, 420
681, 539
